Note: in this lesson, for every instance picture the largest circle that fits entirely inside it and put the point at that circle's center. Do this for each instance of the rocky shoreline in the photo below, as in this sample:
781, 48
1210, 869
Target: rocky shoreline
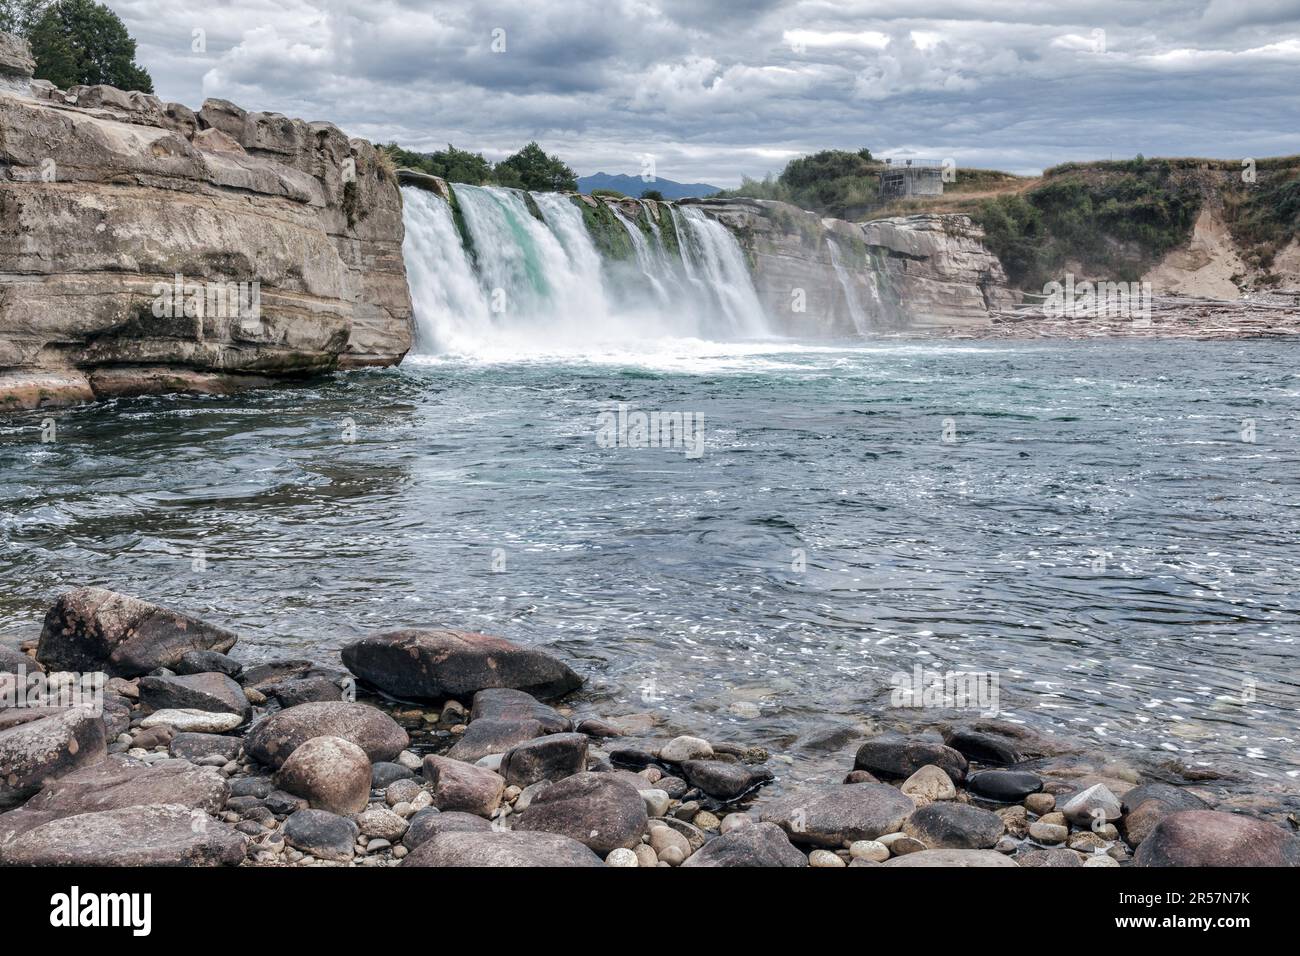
462, 752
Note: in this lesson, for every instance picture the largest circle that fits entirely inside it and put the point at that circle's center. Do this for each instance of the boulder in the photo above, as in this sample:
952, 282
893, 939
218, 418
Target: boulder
192, 746
429, 822
723, 780
929, 784
212, 692
493, 735
1096, 802
592, 808
957, 858
274, 738
95, 629
40, 744
14, 661
384, 774
547, 758
153, 835
501, 848
760, 844
119, 782
303, 690
193, 721
436, 664
462, 786
682, 749
1214, 838
831, 816
208, 662
504, 703
954, 826
324, 835
330, 773
382, 823
1145, 806
1054, 858
895, 756
1004, 786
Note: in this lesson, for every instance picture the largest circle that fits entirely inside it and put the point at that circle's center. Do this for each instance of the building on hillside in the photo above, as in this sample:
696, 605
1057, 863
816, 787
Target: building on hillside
911, 177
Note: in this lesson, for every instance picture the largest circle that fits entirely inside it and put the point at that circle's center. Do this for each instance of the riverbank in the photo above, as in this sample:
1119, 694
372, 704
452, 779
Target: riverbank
196, 758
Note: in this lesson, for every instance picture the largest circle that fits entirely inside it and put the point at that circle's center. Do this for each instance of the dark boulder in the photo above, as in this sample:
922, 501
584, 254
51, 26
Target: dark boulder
1143, 807
830, 816
324, 835
208, 662
595, 809
1006, 786
498, 848
898, 757
553, 757
212, 692
724, 780
763, 844
504, 703
273, 738
1213, 838
94, 629
436, 664
949, 825
430, 821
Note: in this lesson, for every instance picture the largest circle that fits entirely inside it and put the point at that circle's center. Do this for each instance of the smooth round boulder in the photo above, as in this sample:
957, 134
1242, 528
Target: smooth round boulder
593, 808
831, 816
897, 757
1004, 786
325, 835
330, 773
1214, 838
954, 826
498, 848
755, 845
274, 738
1145, 806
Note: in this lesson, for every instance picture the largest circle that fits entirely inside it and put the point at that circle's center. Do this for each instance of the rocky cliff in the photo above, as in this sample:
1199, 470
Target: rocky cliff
145, 247
829, 278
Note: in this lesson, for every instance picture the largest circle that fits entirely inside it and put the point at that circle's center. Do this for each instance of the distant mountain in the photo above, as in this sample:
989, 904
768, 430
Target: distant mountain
634, 186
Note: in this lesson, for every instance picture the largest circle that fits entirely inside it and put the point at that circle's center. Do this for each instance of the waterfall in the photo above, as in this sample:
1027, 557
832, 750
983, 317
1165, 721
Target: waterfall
856, 312
527, 275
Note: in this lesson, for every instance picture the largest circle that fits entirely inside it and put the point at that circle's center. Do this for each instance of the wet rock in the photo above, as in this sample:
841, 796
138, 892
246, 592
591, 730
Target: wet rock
207, 662
761, 844
492, 735
430, 822
330, 773
167, 835
1006, 786
192, 746
324, 835
210, 692
725, 781
631, 757
436, 664
682, 749
193, 721
593, 808
860, 776
39, 744
929, 784
94, 629
501, 848
1050, 858
547, 758
984, 748
462, 786
504, 703
1095, 803
895, 756
833, 815
274, 738
952, 858
954, 826
384, 774
1040, 803
1214, 838
309, 689
595, 727
16, 662
1143, 807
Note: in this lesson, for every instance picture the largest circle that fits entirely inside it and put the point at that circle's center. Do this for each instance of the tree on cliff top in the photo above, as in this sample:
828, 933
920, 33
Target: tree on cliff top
17, 16
82, 42
531, 168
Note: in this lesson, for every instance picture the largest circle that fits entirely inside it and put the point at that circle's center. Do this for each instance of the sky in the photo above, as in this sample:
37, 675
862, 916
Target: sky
713, 90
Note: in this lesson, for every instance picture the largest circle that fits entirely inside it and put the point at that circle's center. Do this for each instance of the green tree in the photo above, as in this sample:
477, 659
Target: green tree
452, 164
531, 168
652, 194
82, 42
17, 16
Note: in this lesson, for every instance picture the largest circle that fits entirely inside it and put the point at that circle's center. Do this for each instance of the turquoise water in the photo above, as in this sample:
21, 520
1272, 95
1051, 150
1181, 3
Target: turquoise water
1097, 533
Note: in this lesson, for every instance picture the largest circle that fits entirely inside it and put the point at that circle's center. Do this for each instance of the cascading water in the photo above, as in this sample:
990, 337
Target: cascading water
528, 277
856, 312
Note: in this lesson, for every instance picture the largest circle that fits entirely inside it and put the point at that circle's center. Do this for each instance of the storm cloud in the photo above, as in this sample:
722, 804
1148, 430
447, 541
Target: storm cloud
714, 90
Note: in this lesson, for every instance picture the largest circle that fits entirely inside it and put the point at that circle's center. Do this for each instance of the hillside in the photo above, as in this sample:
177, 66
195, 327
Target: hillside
634, 186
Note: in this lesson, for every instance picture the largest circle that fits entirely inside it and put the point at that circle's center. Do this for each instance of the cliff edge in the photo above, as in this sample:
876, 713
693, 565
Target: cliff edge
145, 247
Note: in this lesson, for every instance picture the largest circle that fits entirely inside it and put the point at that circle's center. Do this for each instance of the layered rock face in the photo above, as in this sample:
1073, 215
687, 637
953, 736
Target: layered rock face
829, 278
146, 248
